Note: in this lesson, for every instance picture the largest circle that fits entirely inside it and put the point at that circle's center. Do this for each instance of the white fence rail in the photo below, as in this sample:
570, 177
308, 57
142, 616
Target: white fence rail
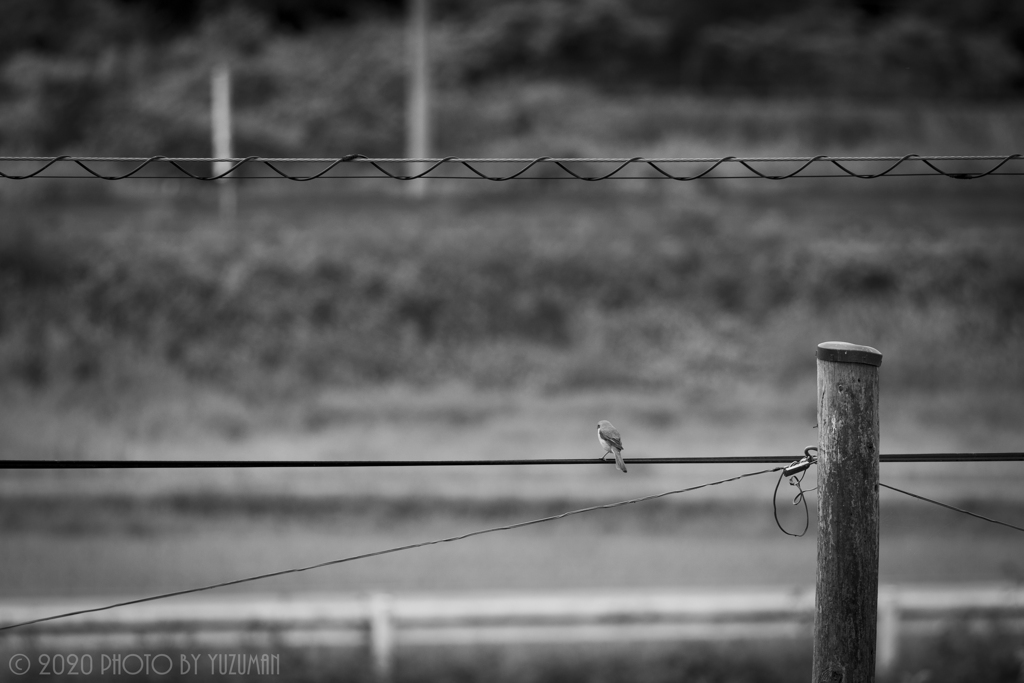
383, 622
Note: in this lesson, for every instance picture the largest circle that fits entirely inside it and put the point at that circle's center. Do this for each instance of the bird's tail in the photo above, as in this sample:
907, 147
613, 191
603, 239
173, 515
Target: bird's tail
619, 462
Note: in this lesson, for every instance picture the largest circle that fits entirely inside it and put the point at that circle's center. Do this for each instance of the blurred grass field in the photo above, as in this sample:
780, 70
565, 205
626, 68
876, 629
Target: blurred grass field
369, 325
591, 290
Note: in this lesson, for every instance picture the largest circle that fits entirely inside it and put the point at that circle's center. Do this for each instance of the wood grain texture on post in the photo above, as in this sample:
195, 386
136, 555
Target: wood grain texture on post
846, 599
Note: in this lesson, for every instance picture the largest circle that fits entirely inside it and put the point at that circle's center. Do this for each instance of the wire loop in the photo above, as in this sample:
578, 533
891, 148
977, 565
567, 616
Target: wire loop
796, 471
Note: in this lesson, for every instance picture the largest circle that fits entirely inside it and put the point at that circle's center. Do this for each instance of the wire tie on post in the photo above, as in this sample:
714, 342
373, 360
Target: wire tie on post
796, 471
798, 466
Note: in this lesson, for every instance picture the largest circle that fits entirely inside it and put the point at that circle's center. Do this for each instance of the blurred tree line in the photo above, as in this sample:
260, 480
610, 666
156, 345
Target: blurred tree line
130, 76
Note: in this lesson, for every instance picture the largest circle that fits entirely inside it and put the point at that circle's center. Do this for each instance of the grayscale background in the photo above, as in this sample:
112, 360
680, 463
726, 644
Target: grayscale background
262, 319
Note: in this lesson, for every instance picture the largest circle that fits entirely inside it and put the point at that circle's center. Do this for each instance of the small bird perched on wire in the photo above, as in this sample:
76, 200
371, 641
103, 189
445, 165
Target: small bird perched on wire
608, 437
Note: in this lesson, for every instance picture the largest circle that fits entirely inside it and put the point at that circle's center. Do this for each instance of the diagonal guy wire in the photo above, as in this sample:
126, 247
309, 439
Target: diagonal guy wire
951, 507
411, 546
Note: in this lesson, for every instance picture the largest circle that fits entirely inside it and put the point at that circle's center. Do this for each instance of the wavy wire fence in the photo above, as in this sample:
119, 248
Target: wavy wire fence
355, 166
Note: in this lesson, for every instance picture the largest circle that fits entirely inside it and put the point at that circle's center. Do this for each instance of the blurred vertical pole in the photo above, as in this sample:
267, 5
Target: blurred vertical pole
846, 597
417, 122
220, 91
887, 650
382, 637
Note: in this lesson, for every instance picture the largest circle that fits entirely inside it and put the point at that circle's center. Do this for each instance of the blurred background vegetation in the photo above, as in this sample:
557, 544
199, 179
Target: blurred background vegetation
481, 292
589, 290
325, 77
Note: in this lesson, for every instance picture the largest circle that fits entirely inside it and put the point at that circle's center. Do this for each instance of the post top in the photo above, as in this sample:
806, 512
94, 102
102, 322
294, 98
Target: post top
843, 352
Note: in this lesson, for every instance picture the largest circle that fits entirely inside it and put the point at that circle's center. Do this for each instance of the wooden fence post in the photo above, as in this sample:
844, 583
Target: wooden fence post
846, 601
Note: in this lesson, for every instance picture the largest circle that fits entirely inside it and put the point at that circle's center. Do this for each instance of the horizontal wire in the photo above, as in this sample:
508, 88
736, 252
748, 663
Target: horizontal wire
1005, 456
516, 160
250, 464
208, 464
378, 553
475, 177
836, 162
951, 507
